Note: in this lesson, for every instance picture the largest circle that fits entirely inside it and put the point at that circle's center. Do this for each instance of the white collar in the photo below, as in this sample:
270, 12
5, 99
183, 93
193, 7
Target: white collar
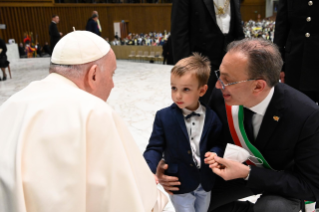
53, 22
54, 77
199, 110
262, 106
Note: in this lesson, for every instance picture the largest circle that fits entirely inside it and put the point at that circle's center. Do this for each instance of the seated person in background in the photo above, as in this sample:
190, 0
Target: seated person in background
115, 42
185, 133
22, 51
39, 49
130, 42
63, 149
154, 43
46, 49
122, 41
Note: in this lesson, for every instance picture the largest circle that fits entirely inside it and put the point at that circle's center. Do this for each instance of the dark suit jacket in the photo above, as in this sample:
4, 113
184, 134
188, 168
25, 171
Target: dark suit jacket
3, 46
194, 29
46, 49
54, 35
291, 145
170, 137
3, 56
92, 26
299, 52
167, 51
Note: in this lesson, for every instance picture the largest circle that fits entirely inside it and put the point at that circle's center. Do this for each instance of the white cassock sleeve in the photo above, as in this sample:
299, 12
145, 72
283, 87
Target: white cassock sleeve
81, 159
118, 177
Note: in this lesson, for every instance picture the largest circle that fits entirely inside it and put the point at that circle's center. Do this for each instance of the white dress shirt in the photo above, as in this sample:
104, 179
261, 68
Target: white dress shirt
260, 110
223, 21
194, 126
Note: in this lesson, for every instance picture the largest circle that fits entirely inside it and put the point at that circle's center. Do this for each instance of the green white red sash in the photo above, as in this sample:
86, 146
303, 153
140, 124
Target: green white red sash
235, 117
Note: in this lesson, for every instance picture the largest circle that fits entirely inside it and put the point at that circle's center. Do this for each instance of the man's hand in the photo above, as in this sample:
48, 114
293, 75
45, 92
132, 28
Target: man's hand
282, 77
209, 159
231, 169
168, 182
61, 34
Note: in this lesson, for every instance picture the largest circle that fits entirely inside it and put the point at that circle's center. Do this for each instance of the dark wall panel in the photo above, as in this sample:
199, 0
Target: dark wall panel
251, 8
36, 19
35, 16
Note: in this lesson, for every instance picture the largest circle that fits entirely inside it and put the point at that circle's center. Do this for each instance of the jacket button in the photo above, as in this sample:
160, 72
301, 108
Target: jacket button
189, 152
310, 3
191, 165
308, 19
307, 35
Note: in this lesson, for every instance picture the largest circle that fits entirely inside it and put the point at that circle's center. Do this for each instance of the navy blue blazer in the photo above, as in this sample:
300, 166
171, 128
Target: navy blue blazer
290, 144
92, 26
170, 140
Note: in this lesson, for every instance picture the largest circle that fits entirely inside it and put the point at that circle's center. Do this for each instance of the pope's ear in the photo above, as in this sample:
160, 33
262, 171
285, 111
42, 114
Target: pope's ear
92, 75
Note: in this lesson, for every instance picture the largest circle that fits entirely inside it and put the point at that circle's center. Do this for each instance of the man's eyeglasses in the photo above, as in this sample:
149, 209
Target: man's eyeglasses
217, 72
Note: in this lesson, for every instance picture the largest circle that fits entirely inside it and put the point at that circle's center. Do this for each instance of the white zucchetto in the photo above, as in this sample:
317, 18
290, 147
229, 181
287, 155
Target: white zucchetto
79, 47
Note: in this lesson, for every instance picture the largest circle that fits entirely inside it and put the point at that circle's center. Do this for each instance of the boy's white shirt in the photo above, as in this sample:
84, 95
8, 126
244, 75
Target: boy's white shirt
194, 126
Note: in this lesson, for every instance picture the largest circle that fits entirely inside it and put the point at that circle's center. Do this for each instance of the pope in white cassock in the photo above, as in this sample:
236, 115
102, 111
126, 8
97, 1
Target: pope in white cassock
63, 149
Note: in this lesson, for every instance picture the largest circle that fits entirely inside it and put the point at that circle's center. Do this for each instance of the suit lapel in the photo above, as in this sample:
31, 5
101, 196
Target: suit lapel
180, 120
207, 127
273, 116
211, 9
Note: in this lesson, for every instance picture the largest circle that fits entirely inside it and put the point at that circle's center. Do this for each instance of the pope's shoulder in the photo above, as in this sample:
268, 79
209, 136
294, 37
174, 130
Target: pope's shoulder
57, 93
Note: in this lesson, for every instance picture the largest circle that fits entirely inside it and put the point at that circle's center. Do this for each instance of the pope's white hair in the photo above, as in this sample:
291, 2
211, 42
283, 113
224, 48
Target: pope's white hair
76, 71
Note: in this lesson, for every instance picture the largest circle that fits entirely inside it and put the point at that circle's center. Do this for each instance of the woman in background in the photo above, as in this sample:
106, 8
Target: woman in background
4, 63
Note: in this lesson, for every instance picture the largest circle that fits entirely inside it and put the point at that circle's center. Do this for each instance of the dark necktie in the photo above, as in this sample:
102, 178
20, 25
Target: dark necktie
248, 124
192, 114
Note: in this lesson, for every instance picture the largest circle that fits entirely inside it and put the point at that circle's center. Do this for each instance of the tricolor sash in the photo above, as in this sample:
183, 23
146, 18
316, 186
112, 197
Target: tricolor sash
235, 118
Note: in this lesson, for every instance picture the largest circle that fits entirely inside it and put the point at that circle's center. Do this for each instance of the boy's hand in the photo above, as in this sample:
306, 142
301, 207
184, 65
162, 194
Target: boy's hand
210, 160
230, 169
168, 182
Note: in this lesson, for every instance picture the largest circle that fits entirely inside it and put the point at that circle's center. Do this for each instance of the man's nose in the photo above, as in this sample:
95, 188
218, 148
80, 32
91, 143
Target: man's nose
218, 85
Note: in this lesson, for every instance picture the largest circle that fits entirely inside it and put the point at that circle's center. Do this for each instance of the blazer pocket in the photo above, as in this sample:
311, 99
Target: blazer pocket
172, 169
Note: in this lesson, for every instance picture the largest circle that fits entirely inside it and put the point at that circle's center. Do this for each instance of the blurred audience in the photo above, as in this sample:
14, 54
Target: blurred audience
260, 29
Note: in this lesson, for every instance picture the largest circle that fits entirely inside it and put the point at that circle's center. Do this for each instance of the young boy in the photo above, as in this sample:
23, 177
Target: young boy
183, 133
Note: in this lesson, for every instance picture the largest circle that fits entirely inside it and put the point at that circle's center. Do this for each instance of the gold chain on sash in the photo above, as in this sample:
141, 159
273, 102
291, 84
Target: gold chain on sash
221, 10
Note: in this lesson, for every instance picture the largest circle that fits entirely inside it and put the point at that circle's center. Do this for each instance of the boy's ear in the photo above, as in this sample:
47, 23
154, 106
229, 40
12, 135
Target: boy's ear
202, 90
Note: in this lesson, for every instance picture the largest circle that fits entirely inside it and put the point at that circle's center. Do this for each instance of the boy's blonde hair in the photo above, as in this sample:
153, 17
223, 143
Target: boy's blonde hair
196, 64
